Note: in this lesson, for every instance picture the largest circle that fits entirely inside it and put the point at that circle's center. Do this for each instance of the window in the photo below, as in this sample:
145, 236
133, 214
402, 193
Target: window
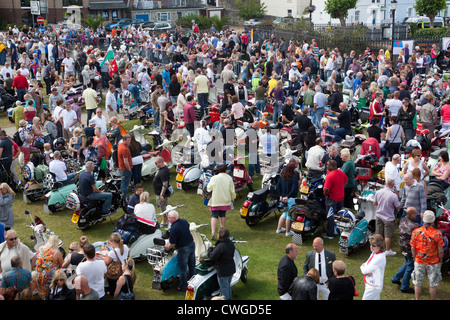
105, 14
163, 16
289, 12
114, 14
357, 16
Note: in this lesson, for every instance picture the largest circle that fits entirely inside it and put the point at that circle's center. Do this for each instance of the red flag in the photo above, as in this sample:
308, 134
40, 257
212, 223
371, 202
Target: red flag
113, 68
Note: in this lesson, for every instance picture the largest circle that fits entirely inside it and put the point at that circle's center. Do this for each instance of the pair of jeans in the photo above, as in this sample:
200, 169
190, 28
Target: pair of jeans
126, 178
203, 102
404, 273
336, 205
89, 113
186, 261
137, 173
260, 107
340, 133
21, 93
225, 286
277, 110
106, 197
316, 116
253, 164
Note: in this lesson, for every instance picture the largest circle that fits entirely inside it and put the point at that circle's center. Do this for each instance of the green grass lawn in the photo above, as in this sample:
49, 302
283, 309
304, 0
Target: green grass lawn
265, 248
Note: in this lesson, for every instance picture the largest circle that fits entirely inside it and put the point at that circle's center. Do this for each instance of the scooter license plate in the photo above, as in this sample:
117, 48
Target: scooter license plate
244, 212
238, 173
298, 226
179, 177
179, 186
189, 295
304, 189
75, 218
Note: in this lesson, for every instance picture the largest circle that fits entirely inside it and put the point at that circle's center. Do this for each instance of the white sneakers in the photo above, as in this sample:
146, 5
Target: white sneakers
390, 253
288, 234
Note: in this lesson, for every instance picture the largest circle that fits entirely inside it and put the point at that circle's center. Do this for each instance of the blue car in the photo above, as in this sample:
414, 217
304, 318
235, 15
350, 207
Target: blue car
121, 23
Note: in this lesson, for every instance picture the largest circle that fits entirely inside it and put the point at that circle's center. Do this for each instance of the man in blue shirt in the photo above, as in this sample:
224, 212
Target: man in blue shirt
166, 78
357, 82
132, 87
88, 188
16, 277
182, 240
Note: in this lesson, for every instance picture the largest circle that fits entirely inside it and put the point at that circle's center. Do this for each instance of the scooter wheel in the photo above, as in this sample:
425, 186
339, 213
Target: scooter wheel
244, 276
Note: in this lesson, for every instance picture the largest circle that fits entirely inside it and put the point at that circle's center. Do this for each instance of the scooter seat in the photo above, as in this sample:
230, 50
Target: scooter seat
149, 155
360, 215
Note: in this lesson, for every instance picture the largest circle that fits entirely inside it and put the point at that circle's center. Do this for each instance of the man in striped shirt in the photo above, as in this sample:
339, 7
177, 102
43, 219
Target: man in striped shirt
414, 195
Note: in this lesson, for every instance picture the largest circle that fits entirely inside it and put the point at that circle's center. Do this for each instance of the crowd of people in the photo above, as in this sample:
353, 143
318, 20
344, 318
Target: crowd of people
179, 69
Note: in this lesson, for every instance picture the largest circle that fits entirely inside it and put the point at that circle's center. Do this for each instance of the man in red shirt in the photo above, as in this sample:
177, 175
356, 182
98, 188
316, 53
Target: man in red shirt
125, 163
376, 107
333, 190
189, 115
20, 83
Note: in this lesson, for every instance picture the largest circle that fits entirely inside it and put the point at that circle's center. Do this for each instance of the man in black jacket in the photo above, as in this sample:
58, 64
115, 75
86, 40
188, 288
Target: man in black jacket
287, 271
322, 260
223, 257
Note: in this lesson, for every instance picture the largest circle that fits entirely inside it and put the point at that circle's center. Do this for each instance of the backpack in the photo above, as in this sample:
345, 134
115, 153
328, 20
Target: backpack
17, 140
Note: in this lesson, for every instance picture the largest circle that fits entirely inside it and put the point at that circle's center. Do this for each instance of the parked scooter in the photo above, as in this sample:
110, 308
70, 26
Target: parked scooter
34, 189
204, 285
89, 213
355, 229
261, 203
308, 213
139, 248
41, 233
165, 264
240, 175
443, 224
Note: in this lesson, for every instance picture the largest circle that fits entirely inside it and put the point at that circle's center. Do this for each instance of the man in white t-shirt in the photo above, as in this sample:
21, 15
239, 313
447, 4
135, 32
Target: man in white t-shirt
201, 136
59, 168
100, 120
68, 64
394, 104
68, 120
391, 171
94, 270
111, 102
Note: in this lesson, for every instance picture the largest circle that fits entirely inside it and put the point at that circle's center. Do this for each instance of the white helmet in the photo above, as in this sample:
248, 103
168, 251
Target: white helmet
294, 64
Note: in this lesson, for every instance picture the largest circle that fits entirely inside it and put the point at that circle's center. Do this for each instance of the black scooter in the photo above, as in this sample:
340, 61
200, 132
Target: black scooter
89, 213
261, 203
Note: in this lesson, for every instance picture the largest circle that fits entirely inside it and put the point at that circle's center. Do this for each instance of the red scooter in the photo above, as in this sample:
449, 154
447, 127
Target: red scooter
240, 175
443, 224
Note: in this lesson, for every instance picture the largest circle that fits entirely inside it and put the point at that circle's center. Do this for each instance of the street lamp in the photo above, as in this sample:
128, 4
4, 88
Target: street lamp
393, 8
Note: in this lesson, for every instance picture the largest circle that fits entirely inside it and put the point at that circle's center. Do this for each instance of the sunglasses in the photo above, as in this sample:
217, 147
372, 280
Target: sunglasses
12, 239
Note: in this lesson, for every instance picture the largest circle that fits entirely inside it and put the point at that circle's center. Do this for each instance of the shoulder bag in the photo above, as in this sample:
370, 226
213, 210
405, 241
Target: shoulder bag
114, 269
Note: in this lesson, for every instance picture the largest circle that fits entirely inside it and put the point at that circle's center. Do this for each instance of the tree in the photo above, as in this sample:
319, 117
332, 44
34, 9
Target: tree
430, 8
250, 9
338, 9
93, 22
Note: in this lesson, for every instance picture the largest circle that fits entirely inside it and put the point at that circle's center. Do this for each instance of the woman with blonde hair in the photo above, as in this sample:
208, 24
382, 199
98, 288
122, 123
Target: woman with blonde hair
76, 143
114, 134
59, 289
6, 201
118, 253
189, 82
373, 268
145, 214
48, 260
125, 284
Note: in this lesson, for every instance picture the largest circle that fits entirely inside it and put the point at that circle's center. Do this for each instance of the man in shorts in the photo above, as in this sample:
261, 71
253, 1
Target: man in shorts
427, 248
386, 201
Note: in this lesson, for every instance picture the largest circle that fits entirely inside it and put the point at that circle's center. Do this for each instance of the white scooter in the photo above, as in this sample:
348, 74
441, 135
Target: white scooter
204, 285
139, 248
165, 265
41, 234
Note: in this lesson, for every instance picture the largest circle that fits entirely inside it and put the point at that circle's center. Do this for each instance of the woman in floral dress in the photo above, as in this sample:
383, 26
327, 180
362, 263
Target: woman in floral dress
48, 260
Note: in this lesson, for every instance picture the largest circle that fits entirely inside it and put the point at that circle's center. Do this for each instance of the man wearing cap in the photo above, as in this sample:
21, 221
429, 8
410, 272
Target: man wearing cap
427, 246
